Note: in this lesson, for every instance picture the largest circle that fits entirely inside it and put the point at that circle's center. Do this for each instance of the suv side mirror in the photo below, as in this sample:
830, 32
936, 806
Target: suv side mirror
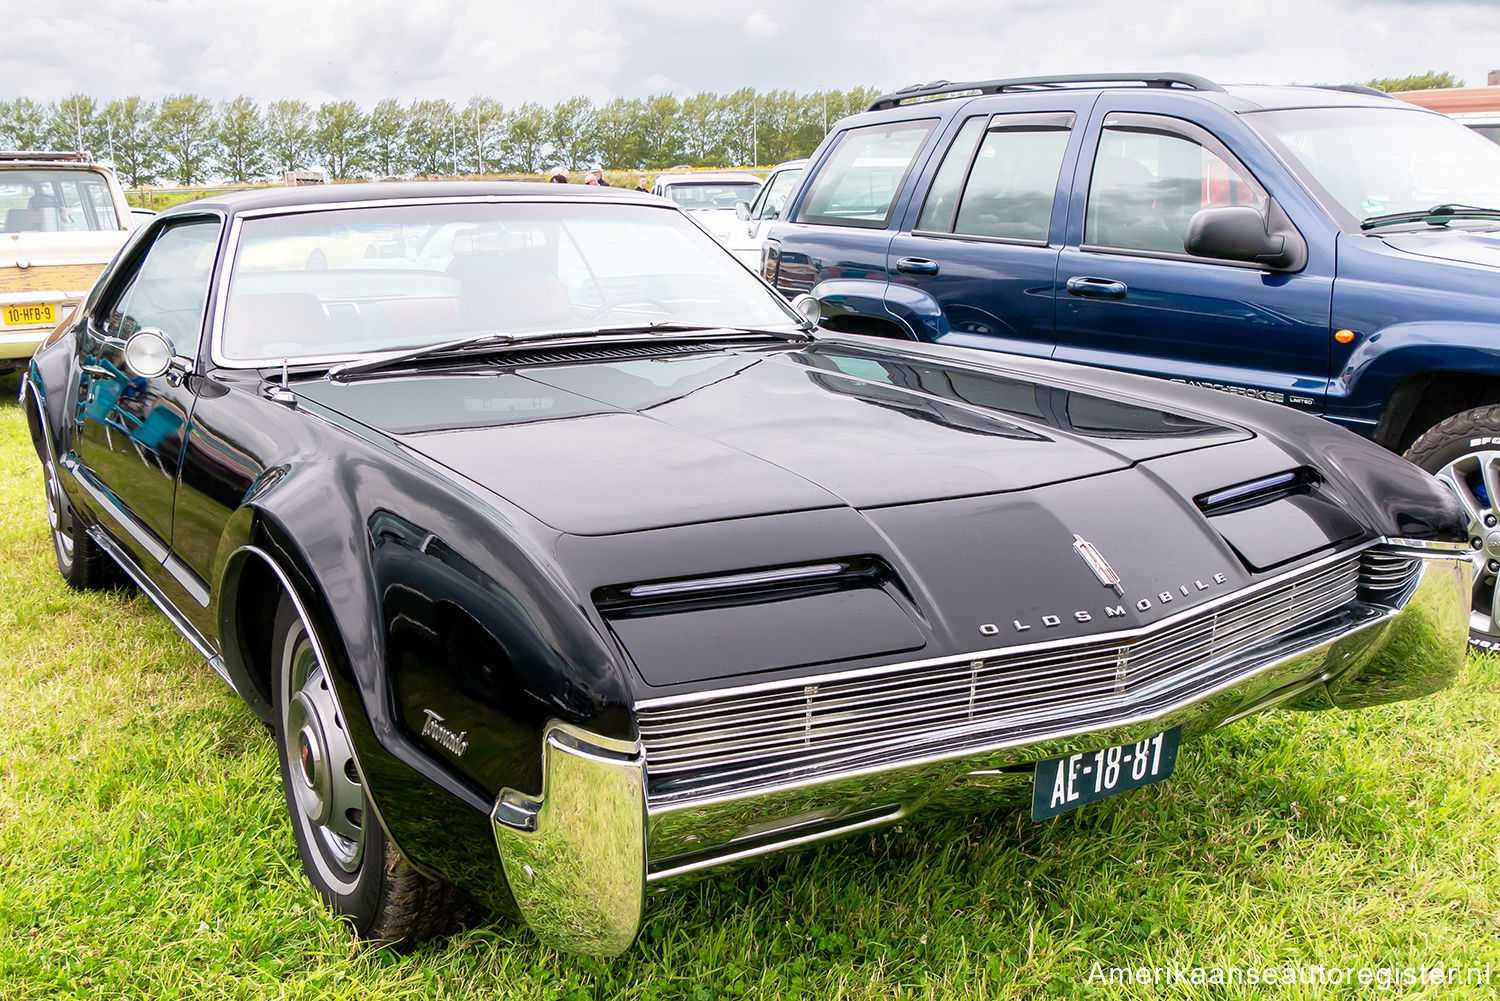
1239, 233
742, 210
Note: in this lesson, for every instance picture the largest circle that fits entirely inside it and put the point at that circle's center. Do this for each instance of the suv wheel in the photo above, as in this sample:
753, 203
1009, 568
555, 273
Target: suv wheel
1464, 452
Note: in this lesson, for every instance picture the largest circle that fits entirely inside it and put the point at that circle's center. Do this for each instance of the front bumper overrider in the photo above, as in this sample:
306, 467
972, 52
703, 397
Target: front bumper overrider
580, 857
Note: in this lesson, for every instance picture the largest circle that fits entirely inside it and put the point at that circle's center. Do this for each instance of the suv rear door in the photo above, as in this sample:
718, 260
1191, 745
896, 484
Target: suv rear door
975, 258
1129, 297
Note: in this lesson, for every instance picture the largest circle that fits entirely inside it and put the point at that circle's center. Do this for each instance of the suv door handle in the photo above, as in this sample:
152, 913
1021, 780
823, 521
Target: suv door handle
917, 266
1096, 288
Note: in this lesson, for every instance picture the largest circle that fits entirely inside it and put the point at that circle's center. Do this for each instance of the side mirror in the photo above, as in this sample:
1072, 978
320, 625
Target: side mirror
1240, 233
149, 354
808, 308
742, 210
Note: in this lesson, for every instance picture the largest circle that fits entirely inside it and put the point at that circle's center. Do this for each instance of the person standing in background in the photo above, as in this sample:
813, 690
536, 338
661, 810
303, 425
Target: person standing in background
596, 175
558, 176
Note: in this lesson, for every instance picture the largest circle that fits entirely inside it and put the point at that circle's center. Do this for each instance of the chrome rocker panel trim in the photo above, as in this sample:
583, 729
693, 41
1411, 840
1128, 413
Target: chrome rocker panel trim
580, 857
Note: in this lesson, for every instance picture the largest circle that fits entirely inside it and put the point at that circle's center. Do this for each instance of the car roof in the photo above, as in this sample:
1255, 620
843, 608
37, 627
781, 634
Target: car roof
401, 191
709, 177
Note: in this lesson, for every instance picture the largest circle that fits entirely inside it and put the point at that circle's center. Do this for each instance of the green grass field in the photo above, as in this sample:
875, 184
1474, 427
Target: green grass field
145, 852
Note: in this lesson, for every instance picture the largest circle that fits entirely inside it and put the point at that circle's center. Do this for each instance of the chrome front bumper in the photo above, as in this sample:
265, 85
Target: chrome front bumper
580, 857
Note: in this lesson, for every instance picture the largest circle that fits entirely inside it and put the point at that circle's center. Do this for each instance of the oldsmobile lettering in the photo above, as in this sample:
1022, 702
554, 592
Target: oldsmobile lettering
1116, 611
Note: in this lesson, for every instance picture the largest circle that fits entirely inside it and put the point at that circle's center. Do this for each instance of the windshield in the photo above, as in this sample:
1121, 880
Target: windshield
1375, 161
55, 200
724, 195
335, 284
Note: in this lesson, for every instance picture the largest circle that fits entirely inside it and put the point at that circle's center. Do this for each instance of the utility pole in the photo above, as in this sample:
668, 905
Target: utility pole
755, 129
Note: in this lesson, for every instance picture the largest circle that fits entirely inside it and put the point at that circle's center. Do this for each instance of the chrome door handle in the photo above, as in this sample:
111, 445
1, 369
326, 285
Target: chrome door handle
1096, 288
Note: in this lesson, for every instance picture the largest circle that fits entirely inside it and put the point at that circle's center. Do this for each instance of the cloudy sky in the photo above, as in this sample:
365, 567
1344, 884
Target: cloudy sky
547, 50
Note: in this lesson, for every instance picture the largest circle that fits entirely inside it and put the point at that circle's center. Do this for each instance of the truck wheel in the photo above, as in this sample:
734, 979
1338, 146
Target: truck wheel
1464, 452
347, 857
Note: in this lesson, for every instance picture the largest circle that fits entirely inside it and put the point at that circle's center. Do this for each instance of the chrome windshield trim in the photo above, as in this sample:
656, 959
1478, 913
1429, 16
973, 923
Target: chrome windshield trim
1116, 636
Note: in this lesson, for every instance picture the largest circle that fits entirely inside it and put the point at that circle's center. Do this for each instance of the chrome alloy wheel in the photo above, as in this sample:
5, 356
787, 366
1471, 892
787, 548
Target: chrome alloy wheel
324, 782
1475, 478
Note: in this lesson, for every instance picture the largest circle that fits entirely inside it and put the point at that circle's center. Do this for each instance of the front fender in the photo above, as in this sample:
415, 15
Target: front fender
1375, 367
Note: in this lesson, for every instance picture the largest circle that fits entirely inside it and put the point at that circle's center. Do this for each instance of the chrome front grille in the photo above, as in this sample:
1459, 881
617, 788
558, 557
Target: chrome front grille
754, 738
1383, 575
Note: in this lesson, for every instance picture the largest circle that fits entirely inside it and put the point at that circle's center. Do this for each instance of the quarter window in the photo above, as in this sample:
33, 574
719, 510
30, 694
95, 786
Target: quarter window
1147, 184
859, 184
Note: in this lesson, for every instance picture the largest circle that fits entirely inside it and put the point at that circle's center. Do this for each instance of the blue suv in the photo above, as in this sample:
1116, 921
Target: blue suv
1330, 249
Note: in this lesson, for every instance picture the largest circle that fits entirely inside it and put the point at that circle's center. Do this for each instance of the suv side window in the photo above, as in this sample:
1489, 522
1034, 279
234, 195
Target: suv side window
859, 183
1151, 175
948, 183
170, 286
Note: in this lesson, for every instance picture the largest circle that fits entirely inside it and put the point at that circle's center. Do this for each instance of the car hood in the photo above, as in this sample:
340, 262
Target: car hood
720, 222
1463, 246
682, 437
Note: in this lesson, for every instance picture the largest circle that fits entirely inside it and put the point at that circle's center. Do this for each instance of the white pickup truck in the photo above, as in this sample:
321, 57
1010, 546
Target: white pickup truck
62, 219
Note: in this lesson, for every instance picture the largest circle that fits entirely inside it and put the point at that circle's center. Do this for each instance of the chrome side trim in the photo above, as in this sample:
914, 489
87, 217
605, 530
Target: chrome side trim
159, 598
114, 509
575, 856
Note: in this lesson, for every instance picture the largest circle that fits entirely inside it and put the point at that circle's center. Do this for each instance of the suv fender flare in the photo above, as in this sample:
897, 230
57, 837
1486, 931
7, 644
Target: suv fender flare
915, 310
1385, 357
860, 297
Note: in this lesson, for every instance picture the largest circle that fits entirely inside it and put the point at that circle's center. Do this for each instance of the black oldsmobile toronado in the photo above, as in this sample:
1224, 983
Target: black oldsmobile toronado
564, 559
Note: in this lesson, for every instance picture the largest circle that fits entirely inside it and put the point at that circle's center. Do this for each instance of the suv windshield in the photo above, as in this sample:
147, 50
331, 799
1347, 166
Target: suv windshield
55, 200
334, 284
1377, 161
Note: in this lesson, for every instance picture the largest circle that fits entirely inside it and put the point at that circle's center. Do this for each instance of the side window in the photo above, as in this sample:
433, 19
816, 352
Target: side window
1149, 181
771, 199
1013, 183
942, 197
170, 286
859, 183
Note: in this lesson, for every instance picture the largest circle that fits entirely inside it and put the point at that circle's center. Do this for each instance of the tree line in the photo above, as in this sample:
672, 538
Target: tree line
186, 139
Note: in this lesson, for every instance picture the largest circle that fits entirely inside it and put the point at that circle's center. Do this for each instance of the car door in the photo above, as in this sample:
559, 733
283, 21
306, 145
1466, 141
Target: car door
129, 430
768, 201
1130, 297
976, 259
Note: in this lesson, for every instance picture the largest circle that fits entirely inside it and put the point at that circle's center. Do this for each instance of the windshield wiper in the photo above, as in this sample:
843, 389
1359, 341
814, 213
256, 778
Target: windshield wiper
496, 341
1438, 215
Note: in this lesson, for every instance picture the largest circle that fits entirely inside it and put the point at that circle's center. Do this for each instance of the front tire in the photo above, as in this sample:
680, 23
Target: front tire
1464, 452
347, 857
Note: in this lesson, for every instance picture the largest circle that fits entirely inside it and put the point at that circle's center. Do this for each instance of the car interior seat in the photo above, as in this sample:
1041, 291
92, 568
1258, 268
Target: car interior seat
1124, 208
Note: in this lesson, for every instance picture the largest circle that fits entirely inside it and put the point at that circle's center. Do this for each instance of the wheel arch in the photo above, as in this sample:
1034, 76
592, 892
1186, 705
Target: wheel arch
1422, 400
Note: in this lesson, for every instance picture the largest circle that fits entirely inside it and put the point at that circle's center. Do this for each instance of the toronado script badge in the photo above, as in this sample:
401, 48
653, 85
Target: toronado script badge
1097, 563
442, 736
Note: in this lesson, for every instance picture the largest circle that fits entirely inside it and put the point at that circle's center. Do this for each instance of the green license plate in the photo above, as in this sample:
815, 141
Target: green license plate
1061, 784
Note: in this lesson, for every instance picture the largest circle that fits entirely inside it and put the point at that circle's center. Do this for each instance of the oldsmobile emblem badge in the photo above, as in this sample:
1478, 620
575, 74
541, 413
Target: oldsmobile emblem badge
1097, 563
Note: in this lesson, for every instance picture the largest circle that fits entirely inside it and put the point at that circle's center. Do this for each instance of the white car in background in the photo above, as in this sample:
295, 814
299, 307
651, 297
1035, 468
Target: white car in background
710, 197
62, 219
746, 239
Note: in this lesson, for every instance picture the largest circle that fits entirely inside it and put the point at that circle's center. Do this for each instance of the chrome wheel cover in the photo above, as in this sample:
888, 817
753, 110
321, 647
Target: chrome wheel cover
1475, 478
328, 801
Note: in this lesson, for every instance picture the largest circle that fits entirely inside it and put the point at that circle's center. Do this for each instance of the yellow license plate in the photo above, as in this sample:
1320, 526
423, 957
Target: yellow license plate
41, 312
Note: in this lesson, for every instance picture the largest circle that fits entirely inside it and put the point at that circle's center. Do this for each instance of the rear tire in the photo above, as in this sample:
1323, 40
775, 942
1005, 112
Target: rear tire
1464, 452
347, 857
80, 560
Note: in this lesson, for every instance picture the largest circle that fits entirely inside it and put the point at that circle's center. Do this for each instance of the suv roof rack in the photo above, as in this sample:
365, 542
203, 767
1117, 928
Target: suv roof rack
38, 154
942, 88
1356, 88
